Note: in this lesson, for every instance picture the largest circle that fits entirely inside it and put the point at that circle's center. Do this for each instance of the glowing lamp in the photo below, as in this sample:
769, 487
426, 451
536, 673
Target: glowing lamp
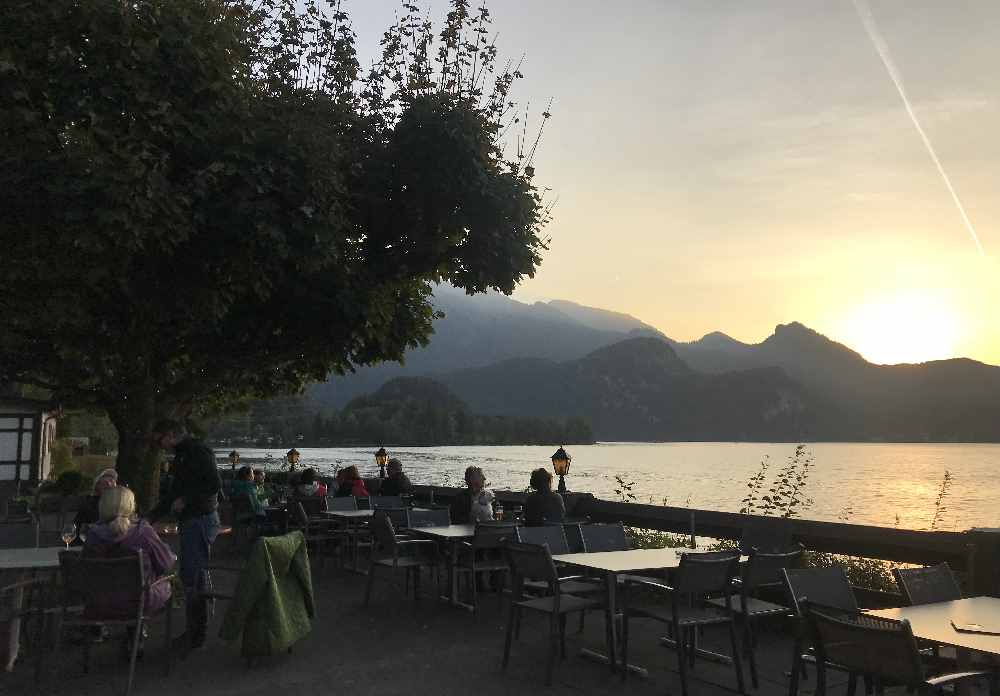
293, 458
560, 464
381, 457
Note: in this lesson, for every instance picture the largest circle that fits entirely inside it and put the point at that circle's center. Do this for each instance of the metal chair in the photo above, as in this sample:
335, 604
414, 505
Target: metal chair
112, 591
827, 588
762, 571
363, 502
697, 577
314, 505
766, 534
483, 554
604, 537
345, 503
534, 562
883, 651
320, 533
574, 536
927, 585
389, 551
385, 501
21, 605
438, 517
17, 512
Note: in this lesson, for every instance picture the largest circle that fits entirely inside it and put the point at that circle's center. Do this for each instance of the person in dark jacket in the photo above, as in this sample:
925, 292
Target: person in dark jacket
543, 505
194, 499
396, 482
475, 503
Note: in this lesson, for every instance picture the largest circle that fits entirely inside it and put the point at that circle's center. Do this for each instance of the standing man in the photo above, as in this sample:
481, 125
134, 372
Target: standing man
193, 497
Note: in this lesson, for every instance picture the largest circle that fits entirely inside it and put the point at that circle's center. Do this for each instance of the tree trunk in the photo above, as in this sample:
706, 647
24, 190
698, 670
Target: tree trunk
139, 459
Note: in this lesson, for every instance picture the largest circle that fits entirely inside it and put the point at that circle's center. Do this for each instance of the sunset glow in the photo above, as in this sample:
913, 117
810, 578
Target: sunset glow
909, 327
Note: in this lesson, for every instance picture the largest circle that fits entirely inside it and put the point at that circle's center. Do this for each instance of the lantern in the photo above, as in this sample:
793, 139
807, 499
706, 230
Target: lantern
381, 457
293, 458
560, 465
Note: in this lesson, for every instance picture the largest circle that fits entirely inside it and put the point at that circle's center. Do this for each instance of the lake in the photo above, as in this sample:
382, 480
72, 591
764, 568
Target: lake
866, 483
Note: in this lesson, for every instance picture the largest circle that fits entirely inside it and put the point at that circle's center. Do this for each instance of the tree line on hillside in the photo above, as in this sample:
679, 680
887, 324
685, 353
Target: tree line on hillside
406, 411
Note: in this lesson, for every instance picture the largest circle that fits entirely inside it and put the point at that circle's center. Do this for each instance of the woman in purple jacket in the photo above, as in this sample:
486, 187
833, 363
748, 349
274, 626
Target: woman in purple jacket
118, 533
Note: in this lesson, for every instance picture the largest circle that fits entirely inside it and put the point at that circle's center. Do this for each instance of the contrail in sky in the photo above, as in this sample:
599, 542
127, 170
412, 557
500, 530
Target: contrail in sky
865, 13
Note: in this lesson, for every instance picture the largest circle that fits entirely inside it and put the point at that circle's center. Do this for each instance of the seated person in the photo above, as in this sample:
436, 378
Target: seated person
475, 503
264, 492
119, 532
243, 486
349, 482
88, 513
543, 505
308, 486
396, 483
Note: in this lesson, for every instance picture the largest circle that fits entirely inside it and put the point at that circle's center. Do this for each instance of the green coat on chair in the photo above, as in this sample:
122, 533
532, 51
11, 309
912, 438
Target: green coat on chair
272, 606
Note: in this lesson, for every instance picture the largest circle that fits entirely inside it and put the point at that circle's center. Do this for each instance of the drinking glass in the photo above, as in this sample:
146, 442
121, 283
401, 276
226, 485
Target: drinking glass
81, 532
68, 534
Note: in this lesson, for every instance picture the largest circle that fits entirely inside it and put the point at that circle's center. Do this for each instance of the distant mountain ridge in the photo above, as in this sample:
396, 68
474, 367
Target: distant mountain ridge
630, 381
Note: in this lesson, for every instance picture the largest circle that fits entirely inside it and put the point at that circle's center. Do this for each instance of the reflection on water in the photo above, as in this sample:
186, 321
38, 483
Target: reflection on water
860, 482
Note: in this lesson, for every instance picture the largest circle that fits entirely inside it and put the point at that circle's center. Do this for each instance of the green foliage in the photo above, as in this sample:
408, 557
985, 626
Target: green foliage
244, 211
939, 502
62, 458
69, 482
638, 537
871, 573
784, 495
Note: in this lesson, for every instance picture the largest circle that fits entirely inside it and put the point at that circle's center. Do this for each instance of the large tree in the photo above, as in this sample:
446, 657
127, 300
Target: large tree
207, 200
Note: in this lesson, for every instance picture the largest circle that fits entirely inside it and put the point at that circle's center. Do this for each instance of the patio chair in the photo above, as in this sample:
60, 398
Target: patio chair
344, 503
112, 592
604, 537
314, 505
827, 588
19, 535
882, 650
17, 512
439, 517
363, 502
389, 551
320, 533
483, 555
762, 571
23, 602
574, 536
927, 585
697, 576
767, 534
385, 501
531, 562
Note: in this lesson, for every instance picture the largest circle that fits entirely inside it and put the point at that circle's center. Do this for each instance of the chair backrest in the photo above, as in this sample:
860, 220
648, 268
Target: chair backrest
111, 587
493, 536
18, 536
385, 501
383, 531
344, 503
552, 536
17, 511
312, 504
868, 645
926, 585
707, 573
299, 516
604, 537
531, 562
764, 569
825, 588
400, 516
438, 517
242, 508
363, 502
574, 537
766, 534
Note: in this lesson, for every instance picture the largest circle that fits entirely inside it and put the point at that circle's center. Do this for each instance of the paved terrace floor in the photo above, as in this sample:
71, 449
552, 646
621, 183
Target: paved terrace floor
397, 646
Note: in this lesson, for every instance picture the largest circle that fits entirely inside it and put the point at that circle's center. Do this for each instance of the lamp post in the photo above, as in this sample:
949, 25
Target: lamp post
234, 461
560, 464
381, 457
293, 458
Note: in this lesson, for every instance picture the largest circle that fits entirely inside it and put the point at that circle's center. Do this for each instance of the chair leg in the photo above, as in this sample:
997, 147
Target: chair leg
57, 649
136, 639
512, 616
737, 665
852, 684
371, 581
680, 638
517, 622
623, 639
793, 683
562, 636
749, 644
553, 648
169, 634
474, 581
583, 615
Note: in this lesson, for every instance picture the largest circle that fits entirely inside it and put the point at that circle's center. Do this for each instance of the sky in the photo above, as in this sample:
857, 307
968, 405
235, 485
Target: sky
732, 165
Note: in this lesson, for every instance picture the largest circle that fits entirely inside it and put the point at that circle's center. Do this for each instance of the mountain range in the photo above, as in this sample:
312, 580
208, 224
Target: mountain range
631, 382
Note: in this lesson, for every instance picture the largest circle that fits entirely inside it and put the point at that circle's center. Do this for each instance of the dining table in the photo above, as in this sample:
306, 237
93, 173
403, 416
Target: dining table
452, 536
613, 565
26, 562
936, 621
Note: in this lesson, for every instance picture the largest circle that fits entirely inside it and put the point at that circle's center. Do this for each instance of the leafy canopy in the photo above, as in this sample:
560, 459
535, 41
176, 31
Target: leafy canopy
206, 200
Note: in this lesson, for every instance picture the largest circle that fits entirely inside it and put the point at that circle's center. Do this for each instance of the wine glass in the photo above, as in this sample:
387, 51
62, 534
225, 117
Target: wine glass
81, 532
68, 534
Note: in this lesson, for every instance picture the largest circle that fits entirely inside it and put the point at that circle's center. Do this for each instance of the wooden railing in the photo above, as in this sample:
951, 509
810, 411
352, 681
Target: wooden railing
976, 552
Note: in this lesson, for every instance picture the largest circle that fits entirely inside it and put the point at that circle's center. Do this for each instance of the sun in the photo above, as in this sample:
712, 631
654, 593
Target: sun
908, 327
